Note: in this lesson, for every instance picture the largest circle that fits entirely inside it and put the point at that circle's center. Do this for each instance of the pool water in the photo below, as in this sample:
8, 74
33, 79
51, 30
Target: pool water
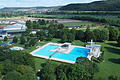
76, 52
46, 50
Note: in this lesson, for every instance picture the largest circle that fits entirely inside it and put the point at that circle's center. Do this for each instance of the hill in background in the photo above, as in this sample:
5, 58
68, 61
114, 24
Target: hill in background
29, 8
105, 5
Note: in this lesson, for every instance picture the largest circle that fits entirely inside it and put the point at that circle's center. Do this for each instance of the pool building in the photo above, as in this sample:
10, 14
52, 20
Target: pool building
62, 52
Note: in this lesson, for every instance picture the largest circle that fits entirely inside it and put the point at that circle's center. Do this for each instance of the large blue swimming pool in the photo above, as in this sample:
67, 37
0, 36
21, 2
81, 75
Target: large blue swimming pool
76, 52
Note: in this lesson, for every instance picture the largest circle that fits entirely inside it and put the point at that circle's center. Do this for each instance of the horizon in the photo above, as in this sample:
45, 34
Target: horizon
37, 3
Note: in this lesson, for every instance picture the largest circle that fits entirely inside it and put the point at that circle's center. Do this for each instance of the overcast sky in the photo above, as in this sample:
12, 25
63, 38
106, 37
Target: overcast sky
33, 3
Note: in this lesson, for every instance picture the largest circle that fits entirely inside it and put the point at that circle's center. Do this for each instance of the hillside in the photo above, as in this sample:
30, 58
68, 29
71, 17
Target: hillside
106, 5
28, 8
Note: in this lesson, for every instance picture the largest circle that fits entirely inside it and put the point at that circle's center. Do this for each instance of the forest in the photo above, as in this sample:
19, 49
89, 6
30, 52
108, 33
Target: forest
105, 5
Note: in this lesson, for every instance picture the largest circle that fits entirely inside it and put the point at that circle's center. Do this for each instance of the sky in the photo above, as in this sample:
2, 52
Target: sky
34, 3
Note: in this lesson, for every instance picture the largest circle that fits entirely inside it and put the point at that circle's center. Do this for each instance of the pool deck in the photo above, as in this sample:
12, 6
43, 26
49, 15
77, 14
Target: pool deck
57, 59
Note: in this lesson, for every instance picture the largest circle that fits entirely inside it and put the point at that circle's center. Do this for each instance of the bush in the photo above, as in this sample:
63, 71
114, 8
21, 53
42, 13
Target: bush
15, 39
5, 38
22, 40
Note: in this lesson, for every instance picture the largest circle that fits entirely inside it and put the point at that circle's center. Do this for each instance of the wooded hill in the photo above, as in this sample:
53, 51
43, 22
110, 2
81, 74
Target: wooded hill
28, 8
104, 5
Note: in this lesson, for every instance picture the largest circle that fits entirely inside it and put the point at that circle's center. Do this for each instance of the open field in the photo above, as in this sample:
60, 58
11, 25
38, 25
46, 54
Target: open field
84, 25
78, 23
111, 66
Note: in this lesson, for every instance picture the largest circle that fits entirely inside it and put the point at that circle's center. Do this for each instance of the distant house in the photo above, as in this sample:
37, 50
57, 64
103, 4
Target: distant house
71, 27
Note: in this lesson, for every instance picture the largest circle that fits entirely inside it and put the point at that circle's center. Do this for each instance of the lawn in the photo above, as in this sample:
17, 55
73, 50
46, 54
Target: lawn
78, 23
111, 66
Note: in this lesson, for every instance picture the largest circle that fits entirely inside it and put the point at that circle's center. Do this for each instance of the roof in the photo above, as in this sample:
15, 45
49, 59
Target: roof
95, 45
16, 48
4, 45
66, 43
2, 32
15, 27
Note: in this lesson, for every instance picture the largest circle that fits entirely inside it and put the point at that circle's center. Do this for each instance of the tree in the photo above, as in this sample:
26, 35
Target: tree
101, 35
15, 39
32, 42
1, 68
22, 40
5, 38
88, 66
49, 37
62, 76
41, 35
12, 76
61, 71
81, 59
29, 24
27, 32
64, 38
22, 58
118, 40
71, 37
88, 35
113, 33
0, 76
48, 71
113, 77
29, 76
25, 69
60, 26
104, 34
79, 35
7, 67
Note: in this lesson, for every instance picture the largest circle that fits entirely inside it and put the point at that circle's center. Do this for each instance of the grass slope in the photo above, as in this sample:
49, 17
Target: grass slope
111, 66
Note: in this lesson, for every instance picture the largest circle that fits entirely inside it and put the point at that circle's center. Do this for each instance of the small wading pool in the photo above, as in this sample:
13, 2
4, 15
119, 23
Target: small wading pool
76, 52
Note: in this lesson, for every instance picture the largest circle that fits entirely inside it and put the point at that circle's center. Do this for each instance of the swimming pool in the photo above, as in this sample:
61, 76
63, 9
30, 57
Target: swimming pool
76, 52
46, 50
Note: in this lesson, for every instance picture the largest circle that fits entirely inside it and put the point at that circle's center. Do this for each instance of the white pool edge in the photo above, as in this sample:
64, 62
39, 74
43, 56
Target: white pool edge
52, 58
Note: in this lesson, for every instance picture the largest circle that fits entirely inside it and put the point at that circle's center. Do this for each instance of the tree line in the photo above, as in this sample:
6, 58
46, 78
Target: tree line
103, 19
57, 30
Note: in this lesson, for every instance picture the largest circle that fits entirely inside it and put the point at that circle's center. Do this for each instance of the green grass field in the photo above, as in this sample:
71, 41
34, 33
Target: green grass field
85, 23
111, 66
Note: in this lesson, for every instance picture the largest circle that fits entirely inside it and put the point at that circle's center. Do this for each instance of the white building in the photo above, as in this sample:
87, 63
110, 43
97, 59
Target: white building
95, 50
3, 34
15, 27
